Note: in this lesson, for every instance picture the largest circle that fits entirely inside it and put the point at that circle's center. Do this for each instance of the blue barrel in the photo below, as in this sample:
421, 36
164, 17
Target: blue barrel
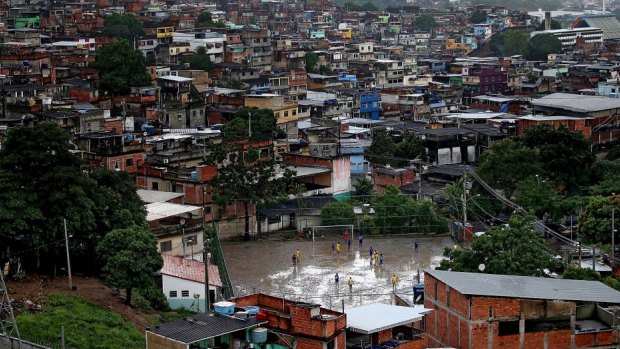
259, 335
252, 310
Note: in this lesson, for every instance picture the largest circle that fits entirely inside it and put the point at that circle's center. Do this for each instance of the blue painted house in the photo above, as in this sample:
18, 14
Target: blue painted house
370, 105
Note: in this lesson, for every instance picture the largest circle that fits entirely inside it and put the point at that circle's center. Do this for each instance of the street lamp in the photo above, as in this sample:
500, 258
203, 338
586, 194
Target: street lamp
183, 235
206, 256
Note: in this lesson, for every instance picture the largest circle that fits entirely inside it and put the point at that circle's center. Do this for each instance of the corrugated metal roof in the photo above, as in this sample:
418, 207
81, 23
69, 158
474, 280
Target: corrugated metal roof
159, 210
609, 24
529, 287
203, 326
376, 317
151, 196
577, 103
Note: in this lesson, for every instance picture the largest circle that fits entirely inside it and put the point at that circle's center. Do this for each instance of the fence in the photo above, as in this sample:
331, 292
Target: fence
13, 343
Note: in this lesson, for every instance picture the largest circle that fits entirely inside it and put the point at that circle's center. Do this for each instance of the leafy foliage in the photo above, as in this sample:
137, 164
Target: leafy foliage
538, 196
367, 6
84, 322
250, 178
363, 191
560, 150
477, 17
129, 258
199, 61
554, 25
205, 19
311, 59
337, 213
595, 222
121, 67
123, 26
263, 125
542, 45
381, 150
606, 174
424, 22
576, 273
513, 250
396, 213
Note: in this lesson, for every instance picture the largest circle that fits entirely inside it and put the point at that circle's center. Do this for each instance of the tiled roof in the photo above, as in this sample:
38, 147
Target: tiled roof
190, 269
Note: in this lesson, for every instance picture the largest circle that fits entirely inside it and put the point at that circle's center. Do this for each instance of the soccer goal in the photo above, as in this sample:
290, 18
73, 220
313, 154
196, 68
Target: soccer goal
332, 231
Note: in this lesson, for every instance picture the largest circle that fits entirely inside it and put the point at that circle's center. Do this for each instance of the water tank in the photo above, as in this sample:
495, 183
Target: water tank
194, 175
259, 335
224, 308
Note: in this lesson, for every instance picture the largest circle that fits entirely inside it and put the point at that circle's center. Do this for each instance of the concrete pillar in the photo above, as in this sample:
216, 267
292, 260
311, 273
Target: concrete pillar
522, 333
547, 20
573, 321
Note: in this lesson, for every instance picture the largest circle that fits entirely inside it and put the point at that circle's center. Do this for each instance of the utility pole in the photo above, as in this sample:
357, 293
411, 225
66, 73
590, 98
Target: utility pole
206, 260
183, 235
420, 181
464, 201
613, 236
68, 259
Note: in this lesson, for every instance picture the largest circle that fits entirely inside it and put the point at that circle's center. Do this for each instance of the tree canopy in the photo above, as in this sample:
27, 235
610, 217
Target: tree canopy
337, 213
383, 150
595, 222
424, 22
477, 17
248, 177
199, 61
121, 67
396, 213
363, 191
367, 6
514, 250
205, 19
263, 125
124, 26
129, 258
42, 182
542, 45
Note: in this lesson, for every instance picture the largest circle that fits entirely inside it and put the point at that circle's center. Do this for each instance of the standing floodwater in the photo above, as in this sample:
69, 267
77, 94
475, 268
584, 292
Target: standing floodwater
268, 267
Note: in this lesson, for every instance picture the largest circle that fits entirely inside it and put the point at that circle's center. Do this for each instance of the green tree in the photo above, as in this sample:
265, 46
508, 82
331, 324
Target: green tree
477, 17
393, 211
121, 67
516, 42
250, 178
506, 163
199, 61
382, 150
559, 150
424, 22
364, 190
129, 258
606, 175
514, 250
311, 59
410, 148
576, 273
42, 182
595, 222
554, 25
123, 26
542, 45
538, 196
205, 19
337, 213
263, 124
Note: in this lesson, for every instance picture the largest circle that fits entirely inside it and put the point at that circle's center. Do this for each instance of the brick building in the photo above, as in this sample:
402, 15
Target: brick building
475, 310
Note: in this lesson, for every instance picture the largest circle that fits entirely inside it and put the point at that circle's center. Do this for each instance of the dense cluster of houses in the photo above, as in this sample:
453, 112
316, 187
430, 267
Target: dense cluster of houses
333, 78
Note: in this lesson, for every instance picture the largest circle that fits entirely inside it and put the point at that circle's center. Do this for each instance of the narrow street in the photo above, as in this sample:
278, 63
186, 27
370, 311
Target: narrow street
267, 267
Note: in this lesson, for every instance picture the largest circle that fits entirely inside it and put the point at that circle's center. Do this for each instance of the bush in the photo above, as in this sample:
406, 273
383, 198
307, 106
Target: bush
155, 297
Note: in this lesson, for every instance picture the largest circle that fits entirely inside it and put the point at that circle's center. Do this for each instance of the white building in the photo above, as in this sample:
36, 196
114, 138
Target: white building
212, 42
569, 37
183, 283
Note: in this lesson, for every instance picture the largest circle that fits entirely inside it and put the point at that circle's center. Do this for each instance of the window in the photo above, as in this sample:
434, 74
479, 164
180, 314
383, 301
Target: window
286, 113
331, 345
155, 186
129, 162
173, 294
165, 246
185, 293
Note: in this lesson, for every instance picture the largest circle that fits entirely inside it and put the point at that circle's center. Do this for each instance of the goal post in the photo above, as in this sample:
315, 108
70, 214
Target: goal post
333, 228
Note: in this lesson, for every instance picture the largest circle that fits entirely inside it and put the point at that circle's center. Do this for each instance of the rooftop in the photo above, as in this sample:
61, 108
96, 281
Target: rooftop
376, 317
190, 269
577, 103
159, 210
151, 196
203, 326
528, 287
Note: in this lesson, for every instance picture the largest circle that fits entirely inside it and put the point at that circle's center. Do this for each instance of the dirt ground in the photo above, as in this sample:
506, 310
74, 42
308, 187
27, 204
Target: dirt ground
36, 288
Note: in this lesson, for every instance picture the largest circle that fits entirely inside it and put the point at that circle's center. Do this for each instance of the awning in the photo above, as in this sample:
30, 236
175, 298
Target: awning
160, 210
376, 317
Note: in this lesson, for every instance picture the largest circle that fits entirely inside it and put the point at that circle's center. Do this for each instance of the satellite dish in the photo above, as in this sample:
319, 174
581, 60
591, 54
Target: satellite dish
481, 267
